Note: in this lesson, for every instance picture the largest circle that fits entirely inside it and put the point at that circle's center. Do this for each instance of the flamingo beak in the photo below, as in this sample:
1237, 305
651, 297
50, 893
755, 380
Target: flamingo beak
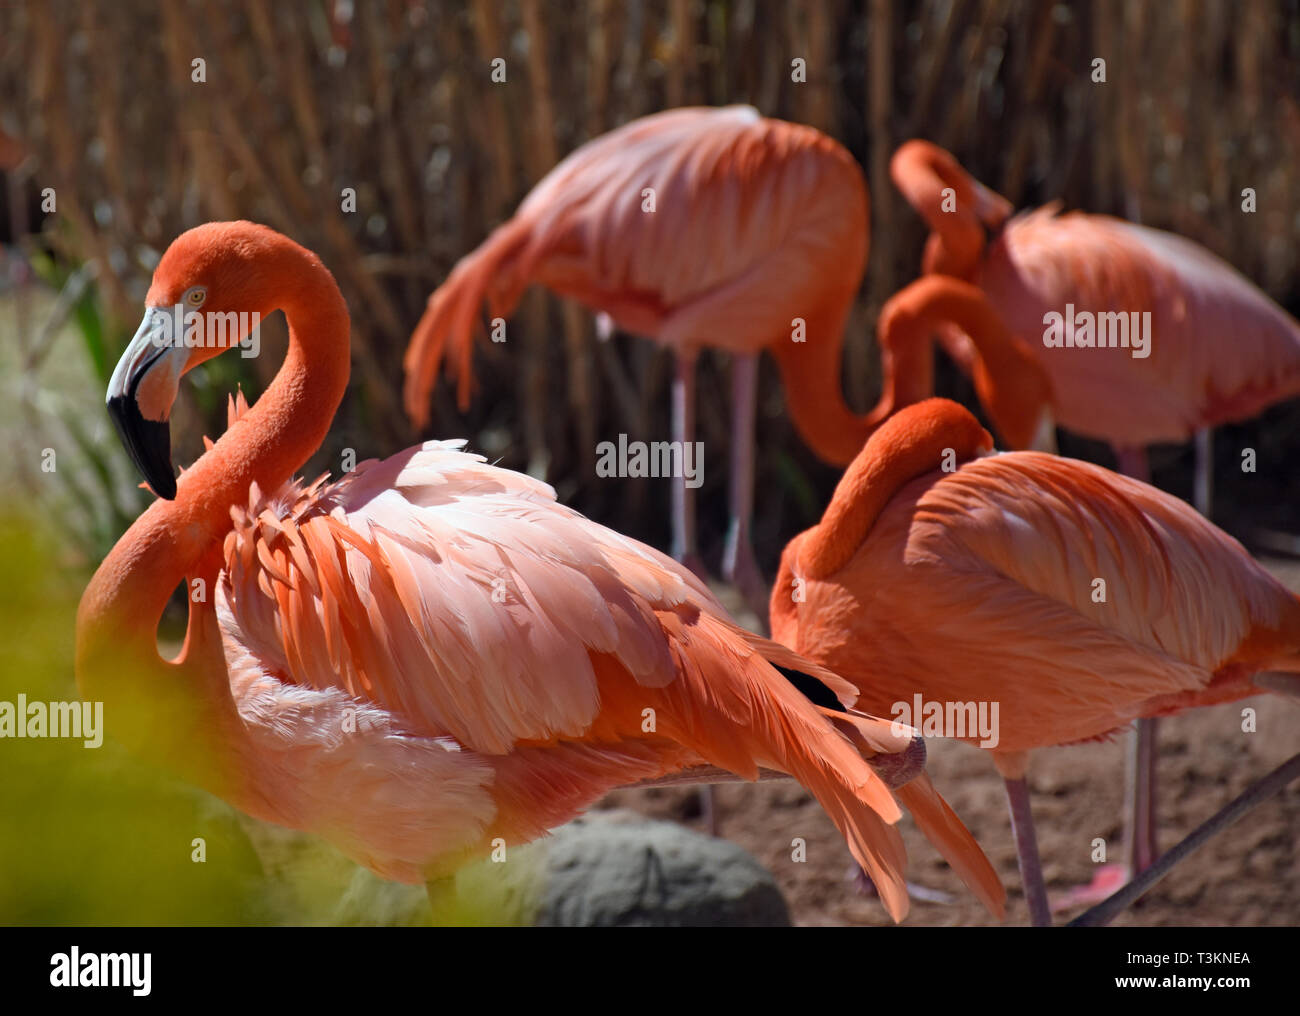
140, 397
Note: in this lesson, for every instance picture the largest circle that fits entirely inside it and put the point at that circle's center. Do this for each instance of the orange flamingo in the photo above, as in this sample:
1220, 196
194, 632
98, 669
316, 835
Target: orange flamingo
695, 227
1039, 261
1219, 349
980, 584
431, 653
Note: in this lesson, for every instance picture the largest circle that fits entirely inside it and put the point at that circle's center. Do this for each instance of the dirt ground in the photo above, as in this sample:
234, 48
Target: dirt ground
1248, 876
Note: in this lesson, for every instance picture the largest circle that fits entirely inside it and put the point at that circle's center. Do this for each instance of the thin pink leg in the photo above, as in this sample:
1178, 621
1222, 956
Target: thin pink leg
1140, 789
1143, 847
1031, 868
1133, 462
1203, 485
739, 566
684, 546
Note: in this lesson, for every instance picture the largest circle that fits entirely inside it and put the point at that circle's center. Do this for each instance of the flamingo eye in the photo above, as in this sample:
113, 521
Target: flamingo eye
195, 297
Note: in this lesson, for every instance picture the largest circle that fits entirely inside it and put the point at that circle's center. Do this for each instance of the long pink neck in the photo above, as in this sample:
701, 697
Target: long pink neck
182, 711
954, 205
811, 373
1010, 383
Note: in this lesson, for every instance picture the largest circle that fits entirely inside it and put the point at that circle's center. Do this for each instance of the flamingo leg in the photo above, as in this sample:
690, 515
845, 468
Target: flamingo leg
1143, 847
1031, 868
739, 565
1133, 462
1245, 802
684, 546
1140, 788
1203, 482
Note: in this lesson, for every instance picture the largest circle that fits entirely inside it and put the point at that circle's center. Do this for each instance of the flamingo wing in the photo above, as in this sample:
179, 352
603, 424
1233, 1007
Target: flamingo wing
454, 595
470, 608
1077, 598
695, 227
1220, 349
739, 201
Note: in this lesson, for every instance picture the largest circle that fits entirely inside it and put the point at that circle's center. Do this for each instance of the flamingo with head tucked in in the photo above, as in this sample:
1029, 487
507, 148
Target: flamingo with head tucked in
964, 577
698, 228
431, 653
1218, 348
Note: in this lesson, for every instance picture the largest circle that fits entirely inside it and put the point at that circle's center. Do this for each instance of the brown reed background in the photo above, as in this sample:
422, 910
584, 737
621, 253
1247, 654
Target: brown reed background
394, 99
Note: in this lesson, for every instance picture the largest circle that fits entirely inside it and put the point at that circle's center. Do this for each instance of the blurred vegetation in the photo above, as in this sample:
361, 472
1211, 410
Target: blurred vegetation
394, 99
93, 836
108, 843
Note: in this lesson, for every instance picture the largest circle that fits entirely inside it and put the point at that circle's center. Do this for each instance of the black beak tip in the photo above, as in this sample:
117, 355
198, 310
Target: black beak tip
148, 442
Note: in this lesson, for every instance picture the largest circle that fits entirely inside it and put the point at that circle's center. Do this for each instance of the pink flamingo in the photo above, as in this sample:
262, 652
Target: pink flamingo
697, 228
1218, 349
431, 653
943, 571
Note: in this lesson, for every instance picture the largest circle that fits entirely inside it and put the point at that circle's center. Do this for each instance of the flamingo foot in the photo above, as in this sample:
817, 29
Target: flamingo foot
1105, 882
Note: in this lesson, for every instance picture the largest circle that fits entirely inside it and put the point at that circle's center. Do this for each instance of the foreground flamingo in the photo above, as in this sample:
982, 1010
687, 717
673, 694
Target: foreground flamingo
980, 584
756, 239
1220, 350
431, 653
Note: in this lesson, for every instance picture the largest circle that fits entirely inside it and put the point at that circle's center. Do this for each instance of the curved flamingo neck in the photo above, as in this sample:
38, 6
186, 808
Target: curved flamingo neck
955, 206
183, 709
811, 374
908, 445
1011, 384
1009, 381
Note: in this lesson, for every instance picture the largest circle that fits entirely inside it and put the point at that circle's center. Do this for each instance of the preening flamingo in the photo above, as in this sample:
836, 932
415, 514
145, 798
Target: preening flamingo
1220, 350
979, 584
757, 239
431, 653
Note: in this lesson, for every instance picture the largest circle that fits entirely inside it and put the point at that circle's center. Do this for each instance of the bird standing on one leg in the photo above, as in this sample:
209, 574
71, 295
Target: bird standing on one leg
698, 228
1075, 599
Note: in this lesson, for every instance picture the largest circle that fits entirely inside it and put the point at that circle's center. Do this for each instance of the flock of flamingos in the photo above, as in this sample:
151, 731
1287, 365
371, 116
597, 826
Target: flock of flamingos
431, 653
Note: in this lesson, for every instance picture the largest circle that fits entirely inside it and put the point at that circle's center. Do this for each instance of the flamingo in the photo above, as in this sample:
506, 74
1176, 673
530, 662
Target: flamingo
942, 570
1041, 260
756, 239
1220, 350
430, 656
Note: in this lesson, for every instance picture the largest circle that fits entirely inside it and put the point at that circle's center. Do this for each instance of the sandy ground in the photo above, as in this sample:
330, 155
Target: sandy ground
1250, 875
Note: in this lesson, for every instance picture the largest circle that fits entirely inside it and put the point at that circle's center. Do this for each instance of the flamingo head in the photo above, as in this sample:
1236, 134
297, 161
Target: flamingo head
962, 213
209, 292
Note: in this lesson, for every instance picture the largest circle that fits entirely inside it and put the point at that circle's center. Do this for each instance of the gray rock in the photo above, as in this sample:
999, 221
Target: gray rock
607, 869
618, 869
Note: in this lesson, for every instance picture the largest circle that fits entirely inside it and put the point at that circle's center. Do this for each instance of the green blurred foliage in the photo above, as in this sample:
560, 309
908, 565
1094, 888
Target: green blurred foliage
92, 836
88, 835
